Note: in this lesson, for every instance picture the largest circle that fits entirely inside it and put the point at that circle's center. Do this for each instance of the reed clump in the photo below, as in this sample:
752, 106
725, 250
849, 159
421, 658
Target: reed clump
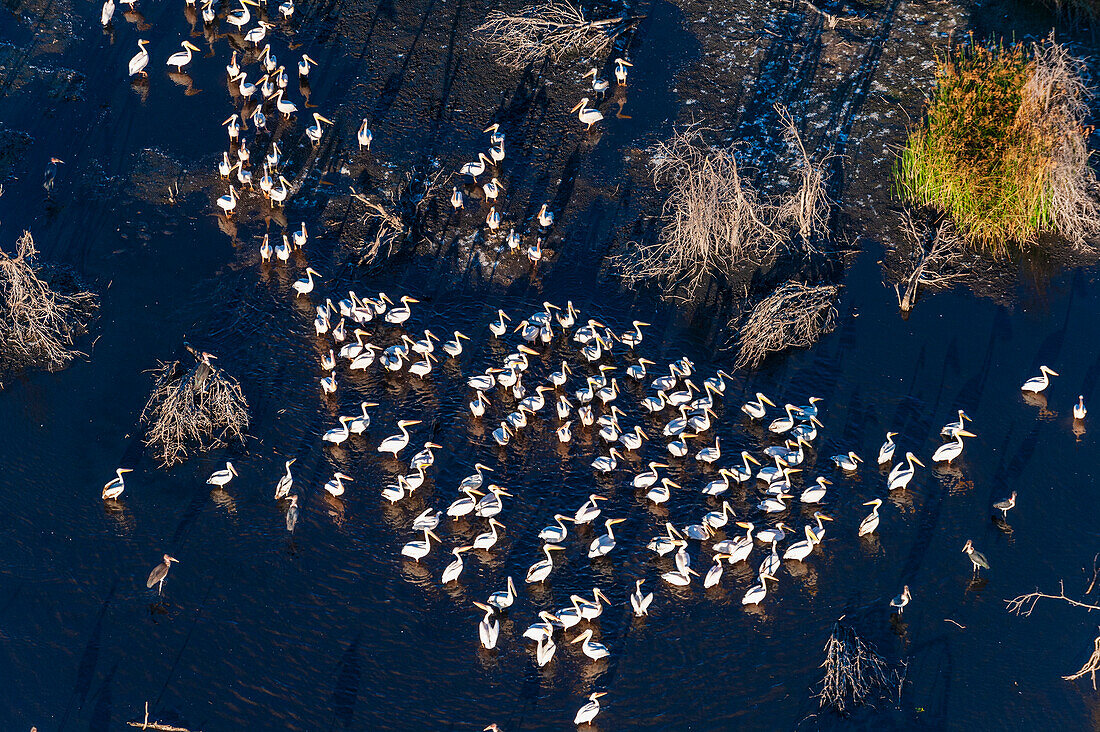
193, 408
796, 315
44, 311
1002, 149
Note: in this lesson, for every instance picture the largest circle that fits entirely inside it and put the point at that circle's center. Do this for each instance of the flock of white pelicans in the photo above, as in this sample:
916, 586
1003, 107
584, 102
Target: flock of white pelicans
686, 415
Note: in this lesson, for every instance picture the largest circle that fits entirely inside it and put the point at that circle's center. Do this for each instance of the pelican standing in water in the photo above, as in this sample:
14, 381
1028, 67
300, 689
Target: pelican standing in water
314, 131
1039, 383
620, 70
396, 443
304, 286
488, 629
107, 13
419, 548
756, 409
454, 569
950, 451
286, 482
1079, 410
228, 202
113, 489
222, 477
159, 573
640, 601
541, 569
335, 487
304, 66
886, 452
602, 546
182, 58
757, 592
140, 59
870, 524
503, 599
587, 115
591, 648
903, 472
589, 711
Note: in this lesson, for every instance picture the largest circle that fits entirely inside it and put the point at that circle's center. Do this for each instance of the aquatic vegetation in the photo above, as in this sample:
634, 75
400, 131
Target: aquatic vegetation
1003, 147
193, 409
794, 316
549, 30
44, 311
854, 672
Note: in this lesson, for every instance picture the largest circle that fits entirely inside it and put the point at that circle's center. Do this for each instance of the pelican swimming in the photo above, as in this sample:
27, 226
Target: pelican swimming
802, 549
607, 463
555, 534
602, 545
359, 424
222, 477
313, 132
870, 524
662, 544
620, 70
681, 576
464, 506
453, 348
744, 472
740, 548
661, 493
113, 488
503, 599
815, 493
1006, 505
589, 511
182, 58
304, 286
901, 600
335, 487
1040, 382
591, 648
339, 434
427, 519
679, 447
886, 452
714, 574
783, 424
640, 601
587, 115
418, 549
545, 629
847, 462
140, 59
773, 533
490, 504
757, 592
286, 482
328, 383
756, 409
1079, 410
540, 570
503, 434
951, 428
976, 557
107, 13
454, 569
478, 405
903, 472
709, 454
396, 443
950, 451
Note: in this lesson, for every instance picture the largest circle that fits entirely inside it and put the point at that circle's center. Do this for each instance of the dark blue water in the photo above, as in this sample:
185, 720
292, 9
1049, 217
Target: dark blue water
329, 627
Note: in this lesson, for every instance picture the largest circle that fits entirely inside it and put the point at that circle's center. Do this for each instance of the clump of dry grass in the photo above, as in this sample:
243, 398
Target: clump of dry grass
806, 206
1003, 147
794, 316
854, 672
39, 323
553, 30
397, 214
192, 409
716, 223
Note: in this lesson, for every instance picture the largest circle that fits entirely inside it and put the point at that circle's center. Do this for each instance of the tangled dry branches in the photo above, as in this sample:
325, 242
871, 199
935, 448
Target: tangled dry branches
553, 30
398, 214
39, 323
715, 221
936, 259
193, 409
1024, 605
855, 672
806, 207
794, 316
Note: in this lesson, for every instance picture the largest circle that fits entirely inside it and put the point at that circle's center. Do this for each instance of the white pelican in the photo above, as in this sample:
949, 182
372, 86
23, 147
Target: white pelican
951, 428
783, 424
802, 549
770, 565
304, 65
565, 432
336, 486
255, 35
709, 454
483, 382
901, 600
475, 168
113, 489
570, 616
886, 452
719, 485
607, 463
563, 407
339, 434
545, 629
452, 570
503, 434
591, 648
806, 431
540, 570
245, 87
869, 524
545, 217
286, 482
661, 493
741, 547
592, 609
182, 58
490, 504
589, 511
632, 439
491, 189
773, 533
222, 477
286, 9
589, 711
453, 348
679, 447
820, 530
555, 534
950, 451
683, 396
815, 493
233, 68
328, 383
418, 549
809, 410
497, 153
304, 286
586, 114
140, 59
240, 18
395, 492
503, 599
681, 576
976, 557
903, 472
602, 545
426, 519
640, 602
396, 443
600, 86
266, 250
757, 592
847, 462
457, 199
364, 136
534, 253
1040, 382
1006, 505
637, 370
477, 406
422, 368
620, 70
756, 409
487, 540
313, 132
287, 108
397, 316
1079, 410
493, 219
743, 472
662, 544
647, 478
107, 13
464, 506
714, 574
718, 519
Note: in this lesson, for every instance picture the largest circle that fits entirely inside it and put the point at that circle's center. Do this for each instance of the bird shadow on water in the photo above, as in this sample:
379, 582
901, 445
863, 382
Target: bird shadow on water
348, 678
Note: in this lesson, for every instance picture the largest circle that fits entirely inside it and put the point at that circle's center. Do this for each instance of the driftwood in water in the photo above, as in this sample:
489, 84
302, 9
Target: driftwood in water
159, 726
552, 30
794, 316
936, 259
854, 672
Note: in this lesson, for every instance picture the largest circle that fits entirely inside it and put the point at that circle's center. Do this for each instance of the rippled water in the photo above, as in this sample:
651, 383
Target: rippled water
330, 627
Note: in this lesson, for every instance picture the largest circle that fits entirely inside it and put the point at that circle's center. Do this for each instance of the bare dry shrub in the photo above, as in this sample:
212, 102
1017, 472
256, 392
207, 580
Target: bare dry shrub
716, 223
936, 259
553, 29
397, 214
854, 672
193, 409
806, 207
39, 323
794, 316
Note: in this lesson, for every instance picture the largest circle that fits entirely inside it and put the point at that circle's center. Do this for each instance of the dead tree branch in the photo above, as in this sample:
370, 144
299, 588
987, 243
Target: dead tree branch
806, 207
159, 726
39, 322
854, 672
553, 29
398, 213
1024, 605
1091, 666
795, 315
935, 259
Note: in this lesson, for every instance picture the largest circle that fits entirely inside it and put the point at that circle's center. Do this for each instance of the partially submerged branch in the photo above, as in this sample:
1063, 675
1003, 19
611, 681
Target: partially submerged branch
553, 30
193, 409
40, 322
1024, 605
854, 672
935, 260
795, 315
397, 214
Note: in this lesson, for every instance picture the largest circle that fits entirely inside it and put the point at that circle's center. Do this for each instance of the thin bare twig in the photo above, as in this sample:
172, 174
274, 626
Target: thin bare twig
1024, 605
934, 260
159, 726
1091, 666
